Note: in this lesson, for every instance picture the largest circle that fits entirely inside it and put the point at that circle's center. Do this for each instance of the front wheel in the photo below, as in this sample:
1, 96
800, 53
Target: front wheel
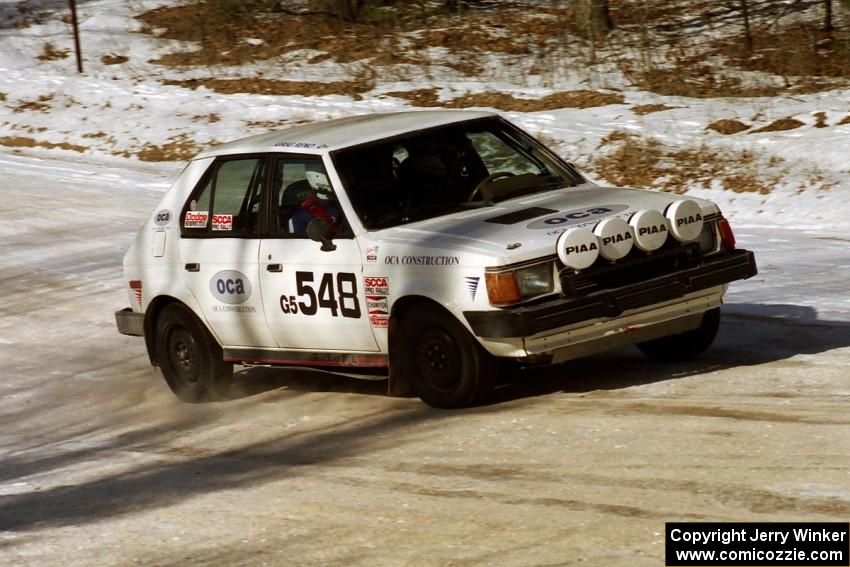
190, 359
449, 368
687, 345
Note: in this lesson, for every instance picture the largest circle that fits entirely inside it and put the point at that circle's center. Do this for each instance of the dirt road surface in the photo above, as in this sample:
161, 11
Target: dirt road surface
579, 464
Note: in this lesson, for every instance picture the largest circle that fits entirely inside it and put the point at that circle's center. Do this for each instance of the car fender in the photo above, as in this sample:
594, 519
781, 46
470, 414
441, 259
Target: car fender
155, 306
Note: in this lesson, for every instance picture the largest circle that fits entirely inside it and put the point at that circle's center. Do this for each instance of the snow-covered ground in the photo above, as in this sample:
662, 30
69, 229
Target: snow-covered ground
100, 465
122, 110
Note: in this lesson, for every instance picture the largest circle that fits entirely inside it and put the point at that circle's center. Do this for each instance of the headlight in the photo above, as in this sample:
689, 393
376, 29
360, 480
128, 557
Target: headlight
513, 286
535, 280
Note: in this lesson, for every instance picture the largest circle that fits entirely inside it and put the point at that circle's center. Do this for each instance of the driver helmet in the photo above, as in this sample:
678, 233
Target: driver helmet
317, 178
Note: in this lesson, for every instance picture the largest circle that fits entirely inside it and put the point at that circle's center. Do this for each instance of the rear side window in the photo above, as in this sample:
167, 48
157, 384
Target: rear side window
228, 203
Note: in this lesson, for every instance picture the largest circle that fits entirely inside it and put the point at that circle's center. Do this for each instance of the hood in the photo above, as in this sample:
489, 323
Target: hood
528, 227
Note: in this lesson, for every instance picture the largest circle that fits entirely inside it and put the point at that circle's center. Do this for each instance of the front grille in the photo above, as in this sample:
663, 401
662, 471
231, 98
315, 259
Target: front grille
635, 268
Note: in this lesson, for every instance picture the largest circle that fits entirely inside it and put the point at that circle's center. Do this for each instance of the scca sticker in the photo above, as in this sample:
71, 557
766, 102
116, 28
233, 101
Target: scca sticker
576, 216
162, 218
231, 287
376, 285
222, 222
372, 254
196, 219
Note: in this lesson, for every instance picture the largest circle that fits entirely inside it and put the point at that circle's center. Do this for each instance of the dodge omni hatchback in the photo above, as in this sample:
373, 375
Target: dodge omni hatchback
431, 247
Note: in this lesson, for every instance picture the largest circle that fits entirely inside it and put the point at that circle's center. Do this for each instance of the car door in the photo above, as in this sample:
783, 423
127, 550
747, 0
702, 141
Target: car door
219, 249
312, 293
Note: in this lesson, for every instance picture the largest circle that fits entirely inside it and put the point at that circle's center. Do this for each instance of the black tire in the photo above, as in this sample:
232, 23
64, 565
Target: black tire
687, 345
190, 359
448, 366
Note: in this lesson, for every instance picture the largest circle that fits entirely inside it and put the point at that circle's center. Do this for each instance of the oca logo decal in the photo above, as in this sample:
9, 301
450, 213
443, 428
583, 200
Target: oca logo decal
576, 216
231, 287
162, 217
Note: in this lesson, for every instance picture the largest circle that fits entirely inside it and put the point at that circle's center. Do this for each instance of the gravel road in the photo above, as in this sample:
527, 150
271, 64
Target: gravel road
581, 463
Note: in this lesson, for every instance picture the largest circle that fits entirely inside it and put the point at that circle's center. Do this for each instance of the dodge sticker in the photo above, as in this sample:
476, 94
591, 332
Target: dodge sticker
196, 219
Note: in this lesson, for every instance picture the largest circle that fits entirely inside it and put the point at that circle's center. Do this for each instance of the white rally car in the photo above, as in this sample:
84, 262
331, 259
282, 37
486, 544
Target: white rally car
427, 246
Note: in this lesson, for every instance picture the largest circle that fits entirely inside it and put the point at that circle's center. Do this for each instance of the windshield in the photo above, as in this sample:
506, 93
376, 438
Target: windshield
445, 170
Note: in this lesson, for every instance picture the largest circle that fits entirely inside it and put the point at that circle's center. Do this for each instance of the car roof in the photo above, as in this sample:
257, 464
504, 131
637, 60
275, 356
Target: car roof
319, 137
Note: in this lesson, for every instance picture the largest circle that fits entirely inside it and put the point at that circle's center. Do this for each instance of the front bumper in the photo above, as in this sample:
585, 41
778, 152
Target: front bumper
130, 323
526, 321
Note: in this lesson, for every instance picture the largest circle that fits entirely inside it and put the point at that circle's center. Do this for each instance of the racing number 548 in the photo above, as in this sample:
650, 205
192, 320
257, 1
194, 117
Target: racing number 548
339, 299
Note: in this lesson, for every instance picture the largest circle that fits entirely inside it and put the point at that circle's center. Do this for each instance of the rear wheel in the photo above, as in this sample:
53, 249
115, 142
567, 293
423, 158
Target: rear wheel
687, 345
190, 359
449, 368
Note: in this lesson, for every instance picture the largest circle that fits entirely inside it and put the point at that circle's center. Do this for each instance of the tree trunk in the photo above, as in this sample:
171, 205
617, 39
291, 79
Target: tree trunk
748, 32
345, 9
591, 17
827, 22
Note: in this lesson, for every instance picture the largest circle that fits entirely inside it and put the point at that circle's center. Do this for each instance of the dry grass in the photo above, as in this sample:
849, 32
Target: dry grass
111, 59
507, 102
276, 124
212, 117
797, 50
615, 136
281, 88
794, 53
27, 142
727, 126
178, 148
38, 105
693, 79
780, 125
232, 38
820, 120
651, 45
647, 163
745, 183
843, 121
50, 53
650, 108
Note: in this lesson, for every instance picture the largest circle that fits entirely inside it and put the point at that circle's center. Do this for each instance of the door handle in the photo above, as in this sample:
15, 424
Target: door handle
193, 267
274, 267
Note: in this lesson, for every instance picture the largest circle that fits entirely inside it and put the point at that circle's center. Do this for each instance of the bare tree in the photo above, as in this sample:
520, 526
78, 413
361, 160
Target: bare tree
827, 21
743, 6
592, 17
345, 9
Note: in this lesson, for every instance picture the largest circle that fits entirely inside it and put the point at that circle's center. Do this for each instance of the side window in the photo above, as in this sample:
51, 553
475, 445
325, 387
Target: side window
302, 192
499, 156
229, 203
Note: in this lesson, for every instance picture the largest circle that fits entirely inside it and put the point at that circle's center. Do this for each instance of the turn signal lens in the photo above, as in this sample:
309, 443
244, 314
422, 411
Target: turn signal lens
726, 234
502, 288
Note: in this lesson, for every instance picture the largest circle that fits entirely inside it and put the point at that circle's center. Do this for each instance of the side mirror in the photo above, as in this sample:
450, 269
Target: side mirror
319, 230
